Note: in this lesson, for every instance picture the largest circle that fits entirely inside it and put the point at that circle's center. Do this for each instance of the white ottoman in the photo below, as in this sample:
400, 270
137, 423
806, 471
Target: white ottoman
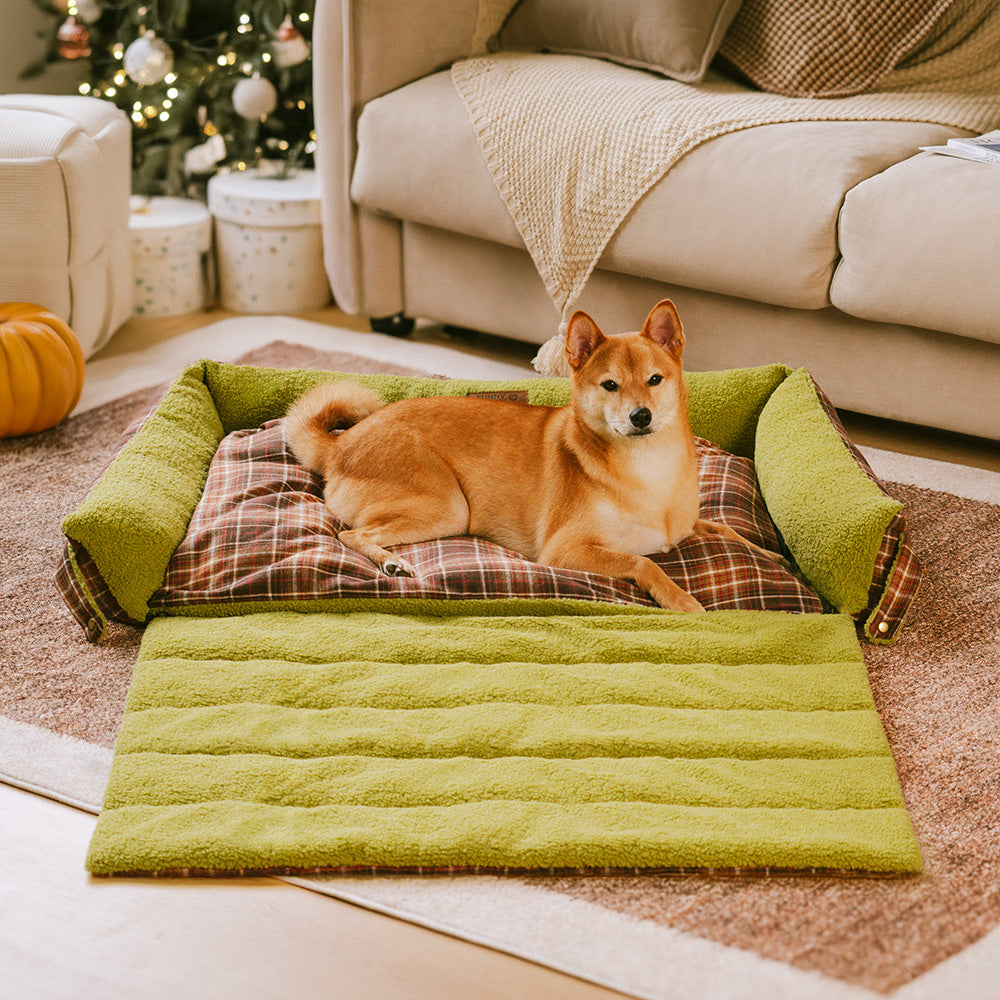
65, 181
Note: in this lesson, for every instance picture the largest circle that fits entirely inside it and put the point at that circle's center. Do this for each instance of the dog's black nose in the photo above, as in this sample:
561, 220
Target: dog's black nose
640, 417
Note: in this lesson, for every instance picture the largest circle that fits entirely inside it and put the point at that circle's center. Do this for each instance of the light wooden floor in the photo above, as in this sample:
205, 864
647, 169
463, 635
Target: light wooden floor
65, 936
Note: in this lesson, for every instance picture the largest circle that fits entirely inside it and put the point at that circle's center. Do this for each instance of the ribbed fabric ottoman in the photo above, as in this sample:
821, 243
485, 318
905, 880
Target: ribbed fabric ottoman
65, 181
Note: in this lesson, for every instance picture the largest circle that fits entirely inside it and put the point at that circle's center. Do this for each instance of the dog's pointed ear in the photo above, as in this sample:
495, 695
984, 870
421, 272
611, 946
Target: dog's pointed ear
663, 326
583, 337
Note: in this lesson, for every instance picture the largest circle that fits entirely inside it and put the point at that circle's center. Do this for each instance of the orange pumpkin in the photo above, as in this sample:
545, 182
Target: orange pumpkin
41, 369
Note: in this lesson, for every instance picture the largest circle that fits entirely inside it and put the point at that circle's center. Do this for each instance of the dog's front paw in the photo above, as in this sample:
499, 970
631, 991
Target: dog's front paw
397, 567
675, 599
685, 602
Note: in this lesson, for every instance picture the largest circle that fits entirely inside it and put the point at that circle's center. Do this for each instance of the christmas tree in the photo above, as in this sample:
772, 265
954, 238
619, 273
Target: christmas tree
206, 83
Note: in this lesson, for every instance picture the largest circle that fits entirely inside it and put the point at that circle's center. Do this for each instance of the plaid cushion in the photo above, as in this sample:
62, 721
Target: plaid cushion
896, 574
261, 532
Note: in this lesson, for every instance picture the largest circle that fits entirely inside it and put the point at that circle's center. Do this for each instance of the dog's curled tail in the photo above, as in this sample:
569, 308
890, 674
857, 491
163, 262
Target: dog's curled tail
321, 410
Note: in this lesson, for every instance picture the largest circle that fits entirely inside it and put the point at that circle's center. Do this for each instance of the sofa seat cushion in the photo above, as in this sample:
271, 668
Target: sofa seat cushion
768, 233
920, 246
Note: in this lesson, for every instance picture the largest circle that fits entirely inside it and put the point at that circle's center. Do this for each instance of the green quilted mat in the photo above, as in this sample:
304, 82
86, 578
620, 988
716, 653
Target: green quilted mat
606, 740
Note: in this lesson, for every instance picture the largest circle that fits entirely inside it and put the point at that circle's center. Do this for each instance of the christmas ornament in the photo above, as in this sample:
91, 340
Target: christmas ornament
202, 159
148, 59
73, 39
254, 97
289, 48
89, 11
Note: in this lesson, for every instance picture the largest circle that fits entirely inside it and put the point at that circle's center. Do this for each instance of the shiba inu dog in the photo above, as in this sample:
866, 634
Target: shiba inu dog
595, 485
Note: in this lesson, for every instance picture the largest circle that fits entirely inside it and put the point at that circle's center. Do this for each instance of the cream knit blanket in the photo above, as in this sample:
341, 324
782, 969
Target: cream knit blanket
573, 143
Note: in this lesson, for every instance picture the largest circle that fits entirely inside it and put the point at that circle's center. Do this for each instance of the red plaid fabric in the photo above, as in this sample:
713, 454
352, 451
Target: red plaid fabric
261, 532
896, 574
87, 596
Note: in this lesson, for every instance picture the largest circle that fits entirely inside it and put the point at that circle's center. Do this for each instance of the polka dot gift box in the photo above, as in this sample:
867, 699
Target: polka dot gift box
170, 238
268, 242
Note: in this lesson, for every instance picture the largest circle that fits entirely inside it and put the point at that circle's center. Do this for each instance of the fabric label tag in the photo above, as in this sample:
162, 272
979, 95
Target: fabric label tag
505, 395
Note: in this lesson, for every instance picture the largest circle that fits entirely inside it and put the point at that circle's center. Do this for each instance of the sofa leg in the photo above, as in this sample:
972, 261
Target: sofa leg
397, 325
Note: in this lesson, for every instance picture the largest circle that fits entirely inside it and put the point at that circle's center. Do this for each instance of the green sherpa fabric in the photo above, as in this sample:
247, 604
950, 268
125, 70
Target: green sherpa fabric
284, 742
138, 512
725, 405
829, 511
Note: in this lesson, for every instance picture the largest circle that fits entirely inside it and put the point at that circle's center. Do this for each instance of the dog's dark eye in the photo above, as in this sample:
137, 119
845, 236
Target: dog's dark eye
610, 384
655, 379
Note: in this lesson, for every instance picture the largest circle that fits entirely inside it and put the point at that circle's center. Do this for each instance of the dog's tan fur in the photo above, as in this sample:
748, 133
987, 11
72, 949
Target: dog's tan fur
580, 486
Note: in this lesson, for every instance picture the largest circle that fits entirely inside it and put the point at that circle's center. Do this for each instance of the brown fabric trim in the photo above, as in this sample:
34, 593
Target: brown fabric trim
376, 871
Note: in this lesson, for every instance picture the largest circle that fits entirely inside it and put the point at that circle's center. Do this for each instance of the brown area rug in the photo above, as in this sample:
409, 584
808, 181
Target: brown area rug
938, 691
50, 675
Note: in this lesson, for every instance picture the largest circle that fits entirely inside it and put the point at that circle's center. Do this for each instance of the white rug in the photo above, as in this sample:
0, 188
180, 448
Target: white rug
638, 957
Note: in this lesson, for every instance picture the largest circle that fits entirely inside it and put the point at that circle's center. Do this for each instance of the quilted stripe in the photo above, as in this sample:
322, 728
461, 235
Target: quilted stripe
147, 778
501, 834
183, 683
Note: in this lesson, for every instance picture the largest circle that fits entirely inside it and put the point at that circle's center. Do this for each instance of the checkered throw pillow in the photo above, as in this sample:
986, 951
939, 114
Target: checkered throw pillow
801, 48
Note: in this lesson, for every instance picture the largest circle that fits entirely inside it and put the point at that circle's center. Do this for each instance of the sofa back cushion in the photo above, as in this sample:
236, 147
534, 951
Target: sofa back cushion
678, 38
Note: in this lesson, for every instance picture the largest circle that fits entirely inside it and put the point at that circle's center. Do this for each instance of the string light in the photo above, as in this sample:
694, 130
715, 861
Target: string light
248, 48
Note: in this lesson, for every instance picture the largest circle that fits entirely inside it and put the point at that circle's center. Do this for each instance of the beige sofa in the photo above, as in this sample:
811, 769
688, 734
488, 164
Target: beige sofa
838, 246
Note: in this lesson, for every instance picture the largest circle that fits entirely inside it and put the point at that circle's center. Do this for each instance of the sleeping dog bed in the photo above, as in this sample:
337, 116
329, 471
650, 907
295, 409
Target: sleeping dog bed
293, 710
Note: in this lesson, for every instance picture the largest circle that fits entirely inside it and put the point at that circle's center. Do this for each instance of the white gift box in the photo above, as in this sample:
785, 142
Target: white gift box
170, 239
65, 180
268, 242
